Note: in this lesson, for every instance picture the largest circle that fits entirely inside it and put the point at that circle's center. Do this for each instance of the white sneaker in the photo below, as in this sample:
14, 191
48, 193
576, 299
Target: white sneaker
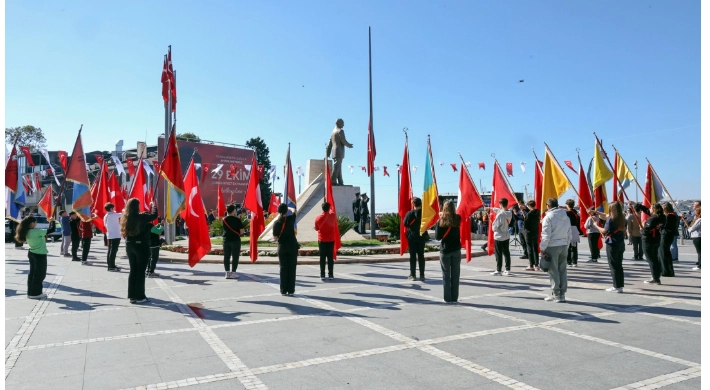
550, 298
507, 273
227, 275
696, 269
40, 296
496, 273
616, 290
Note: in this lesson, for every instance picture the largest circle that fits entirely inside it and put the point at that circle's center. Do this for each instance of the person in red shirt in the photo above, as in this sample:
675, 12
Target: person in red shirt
86, 233
325, 226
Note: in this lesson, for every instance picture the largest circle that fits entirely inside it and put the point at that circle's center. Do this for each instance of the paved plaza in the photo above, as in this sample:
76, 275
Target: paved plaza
369, 328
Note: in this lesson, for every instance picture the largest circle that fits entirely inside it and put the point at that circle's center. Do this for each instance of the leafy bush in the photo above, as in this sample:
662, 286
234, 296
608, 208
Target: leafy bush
216, 228
345, 224
390, 223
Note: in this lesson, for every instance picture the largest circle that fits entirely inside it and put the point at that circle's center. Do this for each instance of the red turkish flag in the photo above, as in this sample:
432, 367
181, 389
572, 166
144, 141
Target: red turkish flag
199, 243
130, 166
11, 171
330, 199
274, 204
404, 200
453, 166
99, 197
233, 169
569, 165
509, 169
165, 80
139, 188
99, 159
221, 208
468, 202
115, 194
371, 150
63, 159
482, 165
585, 198
385, 173
500, 189
26, 151
45, 204
252, 202
205, 170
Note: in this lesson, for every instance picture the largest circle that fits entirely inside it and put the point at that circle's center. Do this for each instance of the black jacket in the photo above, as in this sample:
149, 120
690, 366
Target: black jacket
651, 230
413, 221
74, 224
532, 221
143, 236
670, 226
283, 229
452, 241
364, 210
229, 235
356, 209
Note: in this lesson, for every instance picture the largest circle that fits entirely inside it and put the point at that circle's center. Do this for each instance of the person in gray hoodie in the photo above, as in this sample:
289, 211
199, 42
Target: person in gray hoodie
501, 236
556, 237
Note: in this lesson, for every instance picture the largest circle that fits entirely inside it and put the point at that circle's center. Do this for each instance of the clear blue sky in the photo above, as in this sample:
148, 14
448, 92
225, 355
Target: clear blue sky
283, 70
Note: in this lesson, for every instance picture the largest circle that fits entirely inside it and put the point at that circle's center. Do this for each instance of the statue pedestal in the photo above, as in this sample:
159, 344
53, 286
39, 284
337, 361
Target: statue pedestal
309, 203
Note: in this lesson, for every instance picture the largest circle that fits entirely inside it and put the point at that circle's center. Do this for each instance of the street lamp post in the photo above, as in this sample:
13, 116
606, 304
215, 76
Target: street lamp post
398, 173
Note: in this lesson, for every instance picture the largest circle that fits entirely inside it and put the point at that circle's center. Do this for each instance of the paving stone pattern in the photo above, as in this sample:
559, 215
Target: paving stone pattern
369, 328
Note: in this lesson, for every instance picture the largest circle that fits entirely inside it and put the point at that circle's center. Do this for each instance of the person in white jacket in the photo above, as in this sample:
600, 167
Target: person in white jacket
501, 236
112, 221
556, 237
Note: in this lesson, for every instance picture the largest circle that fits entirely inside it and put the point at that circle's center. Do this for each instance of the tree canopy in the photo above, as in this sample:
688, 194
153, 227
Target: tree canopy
188, 137
262, 158
26, 136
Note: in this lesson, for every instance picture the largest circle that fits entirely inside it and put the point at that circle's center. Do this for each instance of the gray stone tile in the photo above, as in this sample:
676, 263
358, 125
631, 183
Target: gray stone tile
315, 337
120, 353
112, 377
11, 328
34, 382
409, 369
19, 307
49, 368
690, 384
114, 330
184, 365
190, 344
647, 332
230, 384
589, 365
57, 329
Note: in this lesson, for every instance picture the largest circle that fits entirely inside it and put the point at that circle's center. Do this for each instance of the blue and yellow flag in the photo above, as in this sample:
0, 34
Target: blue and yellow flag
76, 174
430, 197
600, 173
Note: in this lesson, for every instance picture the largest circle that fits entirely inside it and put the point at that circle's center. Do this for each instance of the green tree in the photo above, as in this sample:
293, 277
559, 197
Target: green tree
26, 136
188, 137
262, 158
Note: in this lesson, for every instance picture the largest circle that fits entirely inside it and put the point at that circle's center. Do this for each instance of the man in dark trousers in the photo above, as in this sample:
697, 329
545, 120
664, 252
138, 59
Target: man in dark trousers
356, 211
364, 213
532, 227
412, 221
74, 222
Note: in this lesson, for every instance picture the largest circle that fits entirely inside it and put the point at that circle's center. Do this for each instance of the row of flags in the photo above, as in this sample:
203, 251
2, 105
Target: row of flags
551, 181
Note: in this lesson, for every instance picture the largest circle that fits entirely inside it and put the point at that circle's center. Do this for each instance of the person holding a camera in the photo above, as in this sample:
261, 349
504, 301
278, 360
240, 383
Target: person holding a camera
556, 237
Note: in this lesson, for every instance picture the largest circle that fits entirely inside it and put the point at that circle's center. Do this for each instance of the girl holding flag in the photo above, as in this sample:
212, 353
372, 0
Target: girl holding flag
37, 254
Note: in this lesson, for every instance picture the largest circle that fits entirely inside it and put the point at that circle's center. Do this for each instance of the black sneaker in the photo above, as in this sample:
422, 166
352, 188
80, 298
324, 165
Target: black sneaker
331, 277
144, 300
524, 257
114, 269
421, 278
322, 277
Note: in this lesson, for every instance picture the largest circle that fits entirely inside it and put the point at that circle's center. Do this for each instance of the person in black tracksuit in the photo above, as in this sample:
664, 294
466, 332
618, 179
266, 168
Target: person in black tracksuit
668, 231
134, 226
412, 222
231, 240
74, 222
532, 227
651, 238
155, 242
572, 252
356, 212
285, 233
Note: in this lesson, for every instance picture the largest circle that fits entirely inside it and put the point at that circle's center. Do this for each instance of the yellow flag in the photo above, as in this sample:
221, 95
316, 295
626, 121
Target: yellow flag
601, 173
554, 181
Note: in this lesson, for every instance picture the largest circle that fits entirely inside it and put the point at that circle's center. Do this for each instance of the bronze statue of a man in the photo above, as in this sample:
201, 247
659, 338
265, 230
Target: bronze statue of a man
337, 144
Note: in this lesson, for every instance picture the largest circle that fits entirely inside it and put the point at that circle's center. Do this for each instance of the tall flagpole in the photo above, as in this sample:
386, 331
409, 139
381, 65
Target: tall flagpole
667, 193
169, 232
373, 228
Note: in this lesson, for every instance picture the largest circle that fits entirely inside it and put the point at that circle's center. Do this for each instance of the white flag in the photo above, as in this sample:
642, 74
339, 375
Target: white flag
299, 171
218, 168
468, 164
46, 157
118, 165
351, 169
522, 167
414, 170
148, 168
